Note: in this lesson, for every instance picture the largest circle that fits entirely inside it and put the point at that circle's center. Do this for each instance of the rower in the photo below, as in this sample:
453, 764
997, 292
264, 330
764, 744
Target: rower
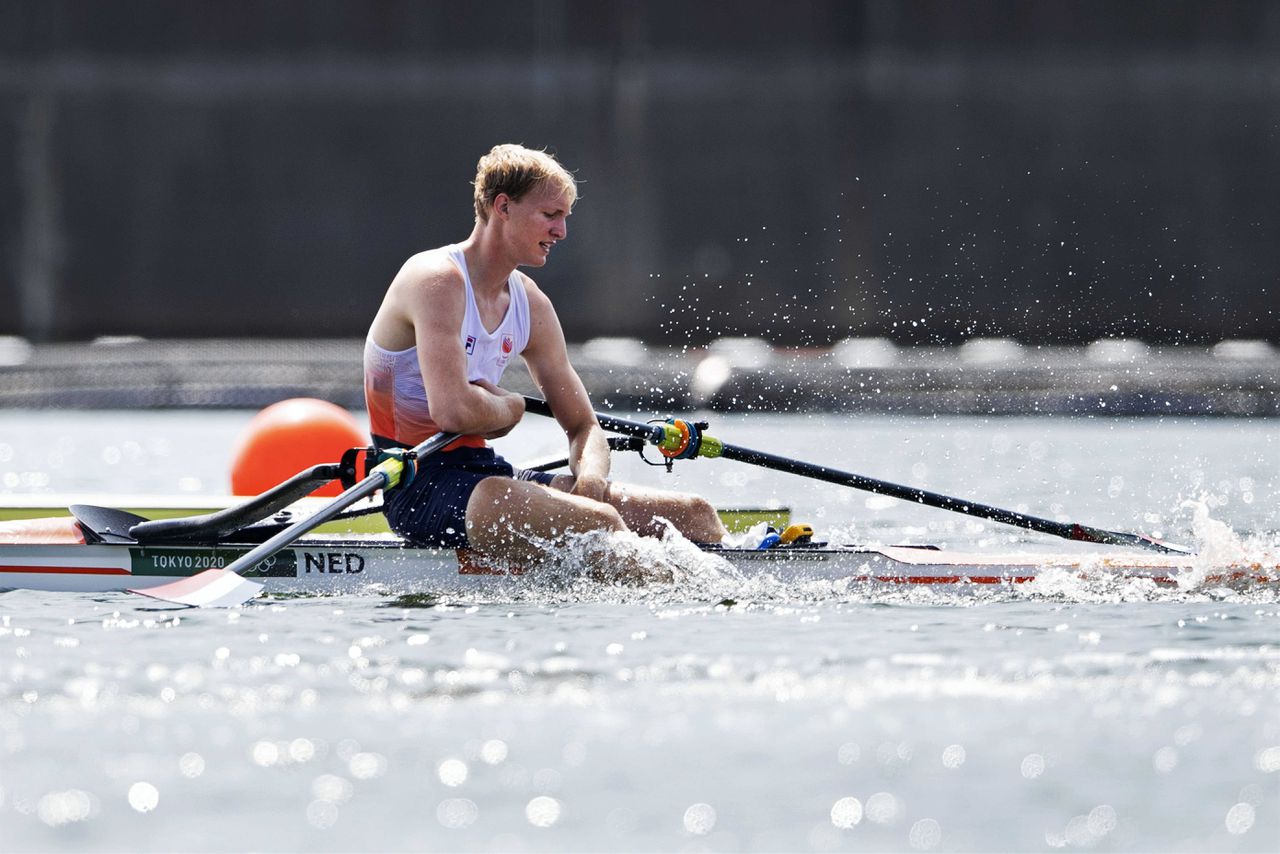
452, 319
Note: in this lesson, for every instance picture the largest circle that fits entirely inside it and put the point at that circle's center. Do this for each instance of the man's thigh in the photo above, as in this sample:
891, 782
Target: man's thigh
642, 508
519, 519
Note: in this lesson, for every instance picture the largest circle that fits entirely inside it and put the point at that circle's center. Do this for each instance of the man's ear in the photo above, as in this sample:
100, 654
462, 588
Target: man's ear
502, 205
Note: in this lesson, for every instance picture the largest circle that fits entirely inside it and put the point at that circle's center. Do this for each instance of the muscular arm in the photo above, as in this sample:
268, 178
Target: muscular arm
548, 360
431, 300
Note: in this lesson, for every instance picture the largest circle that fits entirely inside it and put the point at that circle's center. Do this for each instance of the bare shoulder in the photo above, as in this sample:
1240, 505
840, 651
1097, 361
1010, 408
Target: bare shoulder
428, 291
539, 302
546, 338
430, 273
425, 293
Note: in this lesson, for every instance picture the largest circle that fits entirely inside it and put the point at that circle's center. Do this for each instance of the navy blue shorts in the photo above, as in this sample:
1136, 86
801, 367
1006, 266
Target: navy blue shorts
432, 509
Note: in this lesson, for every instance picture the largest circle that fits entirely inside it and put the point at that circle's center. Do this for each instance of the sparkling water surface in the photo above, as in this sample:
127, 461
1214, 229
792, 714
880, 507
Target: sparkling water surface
713, 714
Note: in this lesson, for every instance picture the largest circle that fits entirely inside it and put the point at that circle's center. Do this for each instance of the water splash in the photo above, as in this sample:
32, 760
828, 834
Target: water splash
1220, 554
1091, 582
670, 571
1219, 546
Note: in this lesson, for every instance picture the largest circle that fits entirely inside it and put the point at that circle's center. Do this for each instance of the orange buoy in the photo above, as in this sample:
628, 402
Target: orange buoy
289, 436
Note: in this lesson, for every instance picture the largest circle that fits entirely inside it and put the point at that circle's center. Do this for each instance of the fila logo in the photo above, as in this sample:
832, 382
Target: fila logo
471, 344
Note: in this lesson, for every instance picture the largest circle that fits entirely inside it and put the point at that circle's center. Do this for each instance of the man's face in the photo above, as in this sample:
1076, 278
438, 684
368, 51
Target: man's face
537, 222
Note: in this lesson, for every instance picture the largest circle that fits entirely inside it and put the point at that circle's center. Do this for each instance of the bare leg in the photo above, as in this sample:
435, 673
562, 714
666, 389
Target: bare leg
641, 507
519, 523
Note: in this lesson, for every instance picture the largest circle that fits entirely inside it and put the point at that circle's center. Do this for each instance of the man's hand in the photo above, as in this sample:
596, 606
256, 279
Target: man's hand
498, 390
515, 403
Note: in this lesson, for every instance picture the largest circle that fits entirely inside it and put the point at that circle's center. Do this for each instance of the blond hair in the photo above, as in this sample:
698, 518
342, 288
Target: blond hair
515, 170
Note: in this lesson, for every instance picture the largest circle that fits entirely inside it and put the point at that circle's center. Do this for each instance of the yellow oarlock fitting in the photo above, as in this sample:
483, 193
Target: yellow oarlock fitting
795, 533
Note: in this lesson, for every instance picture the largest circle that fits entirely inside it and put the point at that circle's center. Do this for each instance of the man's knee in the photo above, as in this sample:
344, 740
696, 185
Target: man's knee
600, 516
693, 508
495, 491
701, 521
701, 507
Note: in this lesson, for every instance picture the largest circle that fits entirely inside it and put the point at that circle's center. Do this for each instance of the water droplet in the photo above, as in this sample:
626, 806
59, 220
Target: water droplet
332, 788
846, 813
143, 797
58, 808
953, 756
1102, 820
456, 813
1268, 760
322, 815
542, 811
366, 766
265, 753
191, 765
1240, 818
883, 808
493, 751
1032, 766
925, 834
452, 772
700, 819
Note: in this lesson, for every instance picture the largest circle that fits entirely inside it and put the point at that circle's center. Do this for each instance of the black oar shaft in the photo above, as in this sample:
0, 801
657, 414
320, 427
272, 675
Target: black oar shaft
894, 490
649, 432
268, 548
1068, 530
214, 526
371, 484
616, 443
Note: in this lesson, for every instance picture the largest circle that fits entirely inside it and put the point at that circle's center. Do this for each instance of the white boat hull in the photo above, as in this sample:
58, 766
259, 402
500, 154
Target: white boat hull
326, 564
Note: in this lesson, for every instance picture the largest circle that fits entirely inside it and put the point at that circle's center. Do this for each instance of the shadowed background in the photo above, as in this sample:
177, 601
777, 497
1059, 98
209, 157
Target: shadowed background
1049, 171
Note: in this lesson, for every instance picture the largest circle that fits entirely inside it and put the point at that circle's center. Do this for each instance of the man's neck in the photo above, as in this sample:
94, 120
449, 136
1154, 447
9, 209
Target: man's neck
487, 264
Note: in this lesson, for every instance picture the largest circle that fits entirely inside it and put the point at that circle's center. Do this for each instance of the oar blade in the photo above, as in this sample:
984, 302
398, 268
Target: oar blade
1087, 534
213, 588
1149, 542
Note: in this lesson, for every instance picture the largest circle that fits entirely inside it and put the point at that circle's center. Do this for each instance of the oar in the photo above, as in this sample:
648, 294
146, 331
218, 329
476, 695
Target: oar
227, 588
616, 443
682, 440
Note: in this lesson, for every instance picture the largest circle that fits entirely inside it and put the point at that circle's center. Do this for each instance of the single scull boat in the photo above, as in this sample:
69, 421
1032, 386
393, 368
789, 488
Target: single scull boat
91, 553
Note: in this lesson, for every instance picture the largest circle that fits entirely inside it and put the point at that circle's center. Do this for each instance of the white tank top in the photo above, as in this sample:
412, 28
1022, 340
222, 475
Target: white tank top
393, 387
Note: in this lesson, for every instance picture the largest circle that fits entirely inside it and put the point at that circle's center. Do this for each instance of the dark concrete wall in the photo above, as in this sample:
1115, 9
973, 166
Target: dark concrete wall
1052, 171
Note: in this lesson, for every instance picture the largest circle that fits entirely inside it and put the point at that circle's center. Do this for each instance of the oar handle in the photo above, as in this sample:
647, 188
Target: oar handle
663, 435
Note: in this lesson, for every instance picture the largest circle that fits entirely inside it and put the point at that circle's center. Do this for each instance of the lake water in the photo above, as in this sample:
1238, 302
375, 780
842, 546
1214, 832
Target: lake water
710, 716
